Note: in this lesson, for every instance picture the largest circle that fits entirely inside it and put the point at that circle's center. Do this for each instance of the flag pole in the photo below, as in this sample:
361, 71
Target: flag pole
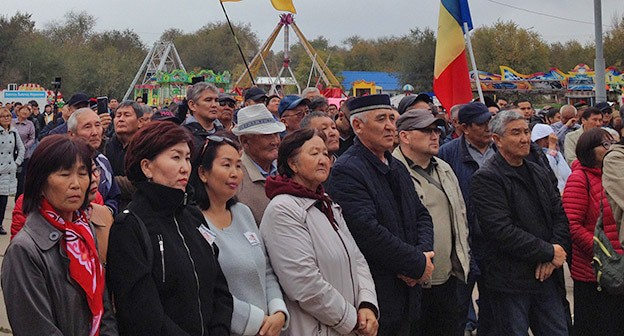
240, 50
473, 62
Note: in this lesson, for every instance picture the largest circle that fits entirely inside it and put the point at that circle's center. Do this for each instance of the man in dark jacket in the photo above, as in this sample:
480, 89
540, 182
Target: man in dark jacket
389, 223
525, 235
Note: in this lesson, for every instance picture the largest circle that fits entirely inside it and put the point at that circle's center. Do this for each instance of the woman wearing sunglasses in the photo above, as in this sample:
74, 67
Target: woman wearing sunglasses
162, 267
258, 304
595, 312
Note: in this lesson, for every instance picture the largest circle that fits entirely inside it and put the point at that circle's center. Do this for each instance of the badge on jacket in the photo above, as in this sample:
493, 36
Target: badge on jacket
252, 238
207, 234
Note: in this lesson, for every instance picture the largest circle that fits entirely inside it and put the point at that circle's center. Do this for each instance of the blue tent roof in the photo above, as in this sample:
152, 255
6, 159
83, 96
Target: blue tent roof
387, 80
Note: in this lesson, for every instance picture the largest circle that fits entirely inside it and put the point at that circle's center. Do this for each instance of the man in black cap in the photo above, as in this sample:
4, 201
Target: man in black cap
465, 155
438, 189
391, 226
59, 126
225, 110
419, 101
255, 95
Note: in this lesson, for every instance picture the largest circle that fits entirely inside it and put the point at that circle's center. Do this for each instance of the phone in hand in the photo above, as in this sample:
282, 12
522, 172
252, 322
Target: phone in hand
102, 105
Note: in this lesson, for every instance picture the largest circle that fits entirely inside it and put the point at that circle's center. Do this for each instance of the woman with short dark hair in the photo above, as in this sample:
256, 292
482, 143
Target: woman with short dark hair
52, 278
324, 275
595, 312
162, 265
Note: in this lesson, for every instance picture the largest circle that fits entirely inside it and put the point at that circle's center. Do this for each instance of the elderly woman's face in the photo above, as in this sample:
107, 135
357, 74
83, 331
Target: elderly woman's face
96, 173
311, 166
171, 168
66, 189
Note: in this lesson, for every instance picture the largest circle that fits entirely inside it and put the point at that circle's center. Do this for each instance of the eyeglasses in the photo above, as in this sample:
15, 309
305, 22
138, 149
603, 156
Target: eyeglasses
428, 130
607, 144
228, 103
6, 116
96, 171
299, 114
215, 138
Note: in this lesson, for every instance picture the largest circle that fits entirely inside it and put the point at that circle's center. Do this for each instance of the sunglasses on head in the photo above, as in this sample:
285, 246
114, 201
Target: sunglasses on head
228, 103
214, 138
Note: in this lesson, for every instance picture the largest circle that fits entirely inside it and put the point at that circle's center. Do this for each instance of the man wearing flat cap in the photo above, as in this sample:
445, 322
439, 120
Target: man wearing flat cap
465, 155
387, 219
438, 189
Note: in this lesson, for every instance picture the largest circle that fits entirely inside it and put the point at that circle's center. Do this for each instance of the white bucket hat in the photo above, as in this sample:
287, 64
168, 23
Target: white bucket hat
257, 119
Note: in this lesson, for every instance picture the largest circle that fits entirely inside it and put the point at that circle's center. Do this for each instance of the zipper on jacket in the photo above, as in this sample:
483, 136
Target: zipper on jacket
161, 247
188, 251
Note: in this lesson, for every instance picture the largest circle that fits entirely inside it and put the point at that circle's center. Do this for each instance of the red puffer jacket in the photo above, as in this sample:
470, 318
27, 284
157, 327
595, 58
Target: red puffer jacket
583, 211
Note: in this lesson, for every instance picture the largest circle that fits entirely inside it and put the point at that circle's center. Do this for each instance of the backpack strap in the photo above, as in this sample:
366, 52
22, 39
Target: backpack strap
146, 238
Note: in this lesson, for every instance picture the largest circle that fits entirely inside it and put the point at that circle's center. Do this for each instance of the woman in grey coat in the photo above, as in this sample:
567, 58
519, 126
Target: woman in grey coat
327, 282
10, 145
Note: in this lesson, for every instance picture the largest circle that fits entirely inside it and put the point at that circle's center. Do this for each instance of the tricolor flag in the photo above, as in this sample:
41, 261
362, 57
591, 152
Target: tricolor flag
451, 81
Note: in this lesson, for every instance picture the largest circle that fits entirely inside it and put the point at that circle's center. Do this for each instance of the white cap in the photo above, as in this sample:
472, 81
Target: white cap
540, 131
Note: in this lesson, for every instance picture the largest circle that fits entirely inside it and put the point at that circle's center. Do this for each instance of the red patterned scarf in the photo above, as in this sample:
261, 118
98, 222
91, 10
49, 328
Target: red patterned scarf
84, 264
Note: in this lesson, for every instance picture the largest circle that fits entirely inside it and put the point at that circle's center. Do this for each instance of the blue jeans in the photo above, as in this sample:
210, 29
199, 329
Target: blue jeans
514, 313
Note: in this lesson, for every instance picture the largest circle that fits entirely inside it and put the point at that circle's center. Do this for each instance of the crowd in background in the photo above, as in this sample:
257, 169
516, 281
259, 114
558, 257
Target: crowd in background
268, 215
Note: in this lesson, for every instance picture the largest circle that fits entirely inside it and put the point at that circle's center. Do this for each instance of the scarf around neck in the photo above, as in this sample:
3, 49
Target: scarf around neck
280, 184
84, 265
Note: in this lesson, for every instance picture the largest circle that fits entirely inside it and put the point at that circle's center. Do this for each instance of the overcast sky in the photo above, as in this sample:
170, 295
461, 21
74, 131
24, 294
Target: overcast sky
334, 19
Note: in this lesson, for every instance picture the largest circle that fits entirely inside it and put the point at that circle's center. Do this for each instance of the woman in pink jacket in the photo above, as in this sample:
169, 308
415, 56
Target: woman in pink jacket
595, 312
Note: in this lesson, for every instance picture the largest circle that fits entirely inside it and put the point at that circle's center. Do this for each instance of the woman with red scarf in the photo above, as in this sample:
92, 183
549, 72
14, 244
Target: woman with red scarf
328, 286
52, 278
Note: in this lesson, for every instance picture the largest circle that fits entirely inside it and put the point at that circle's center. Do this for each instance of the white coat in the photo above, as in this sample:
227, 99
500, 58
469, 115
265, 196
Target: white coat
8, 165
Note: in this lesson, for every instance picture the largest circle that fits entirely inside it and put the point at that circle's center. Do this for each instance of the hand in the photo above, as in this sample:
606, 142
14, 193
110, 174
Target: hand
552, 141
543, 271
428, 268
409, 281
367, 324
105, 121
272, 324
560, 255
571, 122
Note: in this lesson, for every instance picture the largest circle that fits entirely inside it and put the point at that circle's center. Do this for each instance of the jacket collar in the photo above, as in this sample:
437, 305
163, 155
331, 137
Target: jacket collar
252, 170
463, 150
162, 198
42, 233
372, 158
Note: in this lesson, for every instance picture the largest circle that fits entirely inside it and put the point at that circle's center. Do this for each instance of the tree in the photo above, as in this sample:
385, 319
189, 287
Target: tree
417, 59
566, 56
614, 44
505, 43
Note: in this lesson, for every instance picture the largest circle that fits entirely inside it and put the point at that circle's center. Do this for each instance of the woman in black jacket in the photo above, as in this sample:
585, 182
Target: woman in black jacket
162, 261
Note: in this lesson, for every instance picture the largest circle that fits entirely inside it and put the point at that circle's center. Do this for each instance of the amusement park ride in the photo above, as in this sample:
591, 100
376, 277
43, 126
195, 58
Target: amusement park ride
286, 21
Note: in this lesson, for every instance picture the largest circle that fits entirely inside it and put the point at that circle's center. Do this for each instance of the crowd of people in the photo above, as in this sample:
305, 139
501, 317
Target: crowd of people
271, 215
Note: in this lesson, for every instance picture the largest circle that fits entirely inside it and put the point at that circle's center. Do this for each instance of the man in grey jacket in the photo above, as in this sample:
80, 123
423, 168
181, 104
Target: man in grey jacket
438, 189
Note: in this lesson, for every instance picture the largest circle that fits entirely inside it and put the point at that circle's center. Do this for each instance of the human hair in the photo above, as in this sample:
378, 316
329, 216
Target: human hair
305, 122
317, 103
194, 91
136, 107
205, 161
586, 144
309, 90
4, 109
54, 152
455, 111
362, 116
150, 141
72, 122
499, 122
523, 100
551, 114
291, 146
589, 112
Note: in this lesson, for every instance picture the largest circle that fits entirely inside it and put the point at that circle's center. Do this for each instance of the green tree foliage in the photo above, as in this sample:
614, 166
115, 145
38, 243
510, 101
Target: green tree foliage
505, 43
213, 47
614, 44
565, 56
417, 58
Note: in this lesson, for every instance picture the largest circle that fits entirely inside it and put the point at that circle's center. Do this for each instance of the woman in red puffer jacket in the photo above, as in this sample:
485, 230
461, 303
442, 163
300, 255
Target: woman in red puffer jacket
595, 312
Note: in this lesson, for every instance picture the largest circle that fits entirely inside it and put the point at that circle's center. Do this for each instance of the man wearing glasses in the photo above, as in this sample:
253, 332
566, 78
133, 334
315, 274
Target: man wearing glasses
225, 111
291, 111
438, 189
